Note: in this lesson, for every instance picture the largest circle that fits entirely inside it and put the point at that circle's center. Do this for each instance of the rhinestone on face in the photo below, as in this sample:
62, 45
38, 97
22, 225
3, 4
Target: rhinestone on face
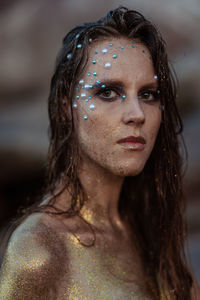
86, 100
69, 55
89, 97
143, 51
92, 106
81, 81
123, 96
105, 50
77, 97
85, 117
103, 86
108, 65
79, 46
155, 77
77, 36
96, 52
83, 95
110, 44
94, 61
95, 73
122, 47
133, 46
98, 82
114, 56
89, 73
86, 86
74, 105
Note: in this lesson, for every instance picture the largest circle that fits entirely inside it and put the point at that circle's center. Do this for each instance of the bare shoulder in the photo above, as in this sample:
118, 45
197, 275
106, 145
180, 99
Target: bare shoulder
35, 260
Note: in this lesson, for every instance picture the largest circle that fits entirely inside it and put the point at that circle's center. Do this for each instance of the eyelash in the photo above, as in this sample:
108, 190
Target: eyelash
119, 92
155, 94
112, 89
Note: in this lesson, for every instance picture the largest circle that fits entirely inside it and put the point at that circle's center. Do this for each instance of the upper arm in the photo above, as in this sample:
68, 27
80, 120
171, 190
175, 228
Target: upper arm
32, 266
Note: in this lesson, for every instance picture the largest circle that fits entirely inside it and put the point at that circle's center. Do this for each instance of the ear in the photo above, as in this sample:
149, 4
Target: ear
67, 107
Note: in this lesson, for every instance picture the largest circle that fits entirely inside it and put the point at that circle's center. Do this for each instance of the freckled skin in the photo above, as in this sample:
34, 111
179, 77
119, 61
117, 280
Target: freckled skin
111, 121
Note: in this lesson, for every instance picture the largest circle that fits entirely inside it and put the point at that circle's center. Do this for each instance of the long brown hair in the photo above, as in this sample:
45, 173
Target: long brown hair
155, 205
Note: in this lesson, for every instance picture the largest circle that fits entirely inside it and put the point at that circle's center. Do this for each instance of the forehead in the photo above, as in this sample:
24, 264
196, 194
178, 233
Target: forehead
118, 58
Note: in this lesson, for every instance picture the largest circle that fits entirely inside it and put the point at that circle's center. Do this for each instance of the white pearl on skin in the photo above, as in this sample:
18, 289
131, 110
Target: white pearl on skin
92, 107
105, 50
81, 81
108, 65
83, 95
75, 105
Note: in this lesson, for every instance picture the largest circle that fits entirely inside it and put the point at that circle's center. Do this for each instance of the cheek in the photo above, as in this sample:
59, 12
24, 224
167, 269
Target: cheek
92, 132
153, 123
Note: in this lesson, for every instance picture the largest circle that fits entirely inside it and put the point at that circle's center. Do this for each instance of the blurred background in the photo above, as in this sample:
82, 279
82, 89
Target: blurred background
30, 36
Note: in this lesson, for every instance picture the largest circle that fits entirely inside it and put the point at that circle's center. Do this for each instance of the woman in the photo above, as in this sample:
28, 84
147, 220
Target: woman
111, 223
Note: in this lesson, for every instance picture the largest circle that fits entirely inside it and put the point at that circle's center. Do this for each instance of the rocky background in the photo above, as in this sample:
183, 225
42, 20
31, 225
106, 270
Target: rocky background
30, 36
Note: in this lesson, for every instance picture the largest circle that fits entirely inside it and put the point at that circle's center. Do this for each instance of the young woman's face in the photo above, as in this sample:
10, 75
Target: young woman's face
116, 107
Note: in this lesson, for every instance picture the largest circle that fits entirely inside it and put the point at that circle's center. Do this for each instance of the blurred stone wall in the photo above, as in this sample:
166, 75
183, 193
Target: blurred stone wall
30, 36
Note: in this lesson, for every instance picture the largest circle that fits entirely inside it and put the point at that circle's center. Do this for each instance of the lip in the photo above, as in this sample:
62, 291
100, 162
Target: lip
133, 142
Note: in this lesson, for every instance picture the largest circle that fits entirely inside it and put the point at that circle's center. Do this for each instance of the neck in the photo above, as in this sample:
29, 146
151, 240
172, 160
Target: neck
102, 190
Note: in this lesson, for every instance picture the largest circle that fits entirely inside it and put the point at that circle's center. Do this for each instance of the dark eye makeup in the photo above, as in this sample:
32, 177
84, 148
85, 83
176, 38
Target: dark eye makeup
111, 91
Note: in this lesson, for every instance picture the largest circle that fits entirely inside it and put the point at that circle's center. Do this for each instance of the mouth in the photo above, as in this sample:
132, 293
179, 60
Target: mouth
133, 142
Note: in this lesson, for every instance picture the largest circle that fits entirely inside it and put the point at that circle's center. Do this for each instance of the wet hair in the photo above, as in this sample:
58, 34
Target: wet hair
153, 200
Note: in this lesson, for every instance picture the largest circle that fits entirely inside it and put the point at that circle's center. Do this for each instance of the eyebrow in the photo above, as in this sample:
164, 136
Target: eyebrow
113, 82
109, 83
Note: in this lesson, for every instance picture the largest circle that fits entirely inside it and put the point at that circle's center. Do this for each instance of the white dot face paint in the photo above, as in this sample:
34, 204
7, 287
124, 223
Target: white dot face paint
117, 100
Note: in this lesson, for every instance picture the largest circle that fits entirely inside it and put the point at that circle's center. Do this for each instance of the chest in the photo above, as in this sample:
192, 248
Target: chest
96, 274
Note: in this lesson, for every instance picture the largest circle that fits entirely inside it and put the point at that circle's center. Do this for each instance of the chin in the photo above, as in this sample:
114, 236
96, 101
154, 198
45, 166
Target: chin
130, 170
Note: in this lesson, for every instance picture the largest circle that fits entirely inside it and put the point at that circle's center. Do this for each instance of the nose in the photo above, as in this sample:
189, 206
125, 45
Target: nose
133, 112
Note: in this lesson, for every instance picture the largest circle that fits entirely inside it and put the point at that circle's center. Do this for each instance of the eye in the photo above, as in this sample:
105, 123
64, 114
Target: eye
108, 93
149, 96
